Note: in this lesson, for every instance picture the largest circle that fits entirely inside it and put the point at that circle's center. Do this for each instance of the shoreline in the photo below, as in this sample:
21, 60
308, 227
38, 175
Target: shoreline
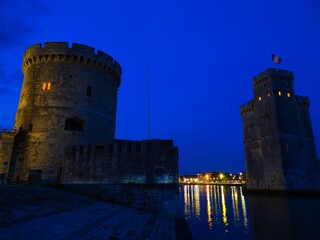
220, 184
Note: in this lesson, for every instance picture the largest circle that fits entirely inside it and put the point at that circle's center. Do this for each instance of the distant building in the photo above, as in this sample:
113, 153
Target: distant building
213, 178
64, 128
278, 137
189, 179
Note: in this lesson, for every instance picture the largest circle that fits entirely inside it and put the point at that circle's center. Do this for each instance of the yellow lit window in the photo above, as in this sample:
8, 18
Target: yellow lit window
288, 94
268, 94
279, 93
46, 86
259, 98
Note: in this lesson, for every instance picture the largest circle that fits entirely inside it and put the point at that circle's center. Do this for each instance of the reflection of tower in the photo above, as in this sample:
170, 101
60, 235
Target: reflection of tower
68, 97
286, 217
278, 138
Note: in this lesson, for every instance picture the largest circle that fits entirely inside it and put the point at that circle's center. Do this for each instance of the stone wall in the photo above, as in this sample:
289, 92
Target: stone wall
68, 97
66, 124
6, 145
150, 161
278, 137
162, 199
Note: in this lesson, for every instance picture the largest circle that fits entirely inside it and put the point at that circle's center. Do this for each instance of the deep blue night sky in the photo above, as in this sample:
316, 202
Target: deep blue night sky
202, 57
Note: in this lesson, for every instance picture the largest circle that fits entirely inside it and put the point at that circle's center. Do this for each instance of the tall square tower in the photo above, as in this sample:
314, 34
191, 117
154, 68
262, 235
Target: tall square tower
278, 137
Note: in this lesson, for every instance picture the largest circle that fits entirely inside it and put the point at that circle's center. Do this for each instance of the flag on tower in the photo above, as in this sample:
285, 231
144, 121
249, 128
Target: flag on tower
276, 59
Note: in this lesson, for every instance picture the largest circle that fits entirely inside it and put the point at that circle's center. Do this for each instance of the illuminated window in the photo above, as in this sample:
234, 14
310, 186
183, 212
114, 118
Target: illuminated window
288, 94
279, 93
46, 86
259, 98
268, 94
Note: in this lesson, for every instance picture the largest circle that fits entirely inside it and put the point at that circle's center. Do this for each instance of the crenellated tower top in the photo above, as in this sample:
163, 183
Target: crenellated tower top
63, 52
275, 73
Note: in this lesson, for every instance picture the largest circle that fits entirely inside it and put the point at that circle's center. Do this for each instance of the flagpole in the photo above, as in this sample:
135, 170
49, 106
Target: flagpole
149, 103
46, 38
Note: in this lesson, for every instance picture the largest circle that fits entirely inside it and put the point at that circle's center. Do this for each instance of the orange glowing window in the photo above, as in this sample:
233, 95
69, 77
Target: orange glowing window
259, 98
268, 94
279, 93
46, 86
288, 94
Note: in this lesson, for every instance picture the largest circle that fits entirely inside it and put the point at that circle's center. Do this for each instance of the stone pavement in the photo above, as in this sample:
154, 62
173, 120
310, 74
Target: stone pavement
34, 212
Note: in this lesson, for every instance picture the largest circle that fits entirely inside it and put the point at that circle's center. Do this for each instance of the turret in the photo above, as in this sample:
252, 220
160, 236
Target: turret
278, 137
69, 96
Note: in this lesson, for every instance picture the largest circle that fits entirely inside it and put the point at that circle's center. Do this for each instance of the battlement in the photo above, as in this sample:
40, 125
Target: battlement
78, 53
8, 130
303, 101
278, 138
7, 133
119, 145
280, 74
122, 161
247, 108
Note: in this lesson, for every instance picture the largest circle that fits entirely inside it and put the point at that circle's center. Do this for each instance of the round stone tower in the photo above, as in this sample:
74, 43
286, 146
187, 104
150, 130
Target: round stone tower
68, 97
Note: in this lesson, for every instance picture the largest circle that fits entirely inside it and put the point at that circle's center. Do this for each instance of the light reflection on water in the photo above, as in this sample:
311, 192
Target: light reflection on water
209, 212
224, 209
216, 209
225, 212
245, 222
192, 202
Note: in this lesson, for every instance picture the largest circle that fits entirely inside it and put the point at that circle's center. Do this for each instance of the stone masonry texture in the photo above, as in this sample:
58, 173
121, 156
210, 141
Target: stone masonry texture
44, 213
64, 130
68, 96
278, 137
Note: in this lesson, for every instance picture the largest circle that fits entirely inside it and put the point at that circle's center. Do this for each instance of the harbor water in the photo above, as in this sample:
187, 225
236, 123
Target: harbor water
227, 212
